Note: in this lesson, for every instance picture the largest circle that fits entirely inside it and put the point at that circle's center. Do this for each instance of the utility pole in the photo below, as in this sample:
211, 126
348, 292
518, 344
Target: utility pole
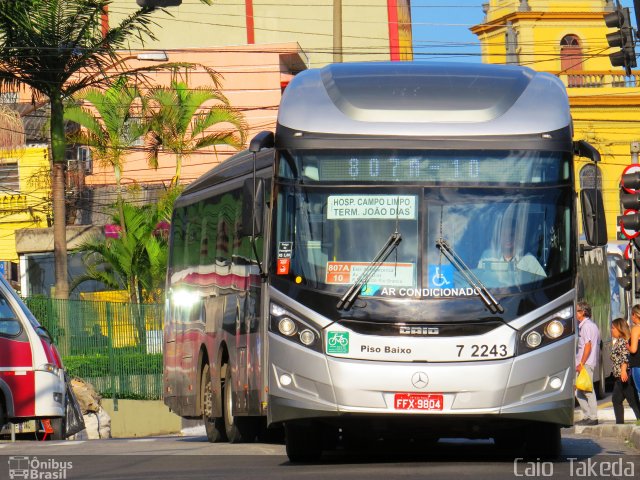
337, 31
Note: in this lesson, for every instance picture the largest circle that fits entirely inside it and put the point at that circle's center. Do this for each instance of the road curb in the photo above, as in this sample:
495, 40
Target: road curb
607, 427
628, 432
635, 438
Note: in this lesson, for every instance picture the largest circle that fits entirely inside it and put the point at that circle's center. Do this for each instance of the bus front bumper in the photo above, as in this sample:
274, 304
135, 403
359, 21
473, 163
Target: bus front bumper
305, 384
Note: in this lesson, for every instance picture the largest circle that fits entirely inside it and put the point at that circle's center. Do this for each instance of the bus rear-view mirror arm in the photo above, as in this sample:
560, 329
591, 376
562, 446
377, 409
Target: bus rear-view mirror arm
254, 190
593, 216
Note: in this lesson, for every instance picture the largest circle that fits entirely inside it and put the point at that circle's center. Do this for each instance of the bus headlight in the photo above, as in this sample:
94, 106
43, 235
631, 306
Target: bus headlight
533, 339
287, 325
543, 332
554, 329
307, 337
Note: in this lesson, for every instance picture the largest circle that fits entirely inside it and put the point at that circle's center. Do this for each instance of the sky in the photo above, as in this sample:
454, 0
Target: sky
441, 29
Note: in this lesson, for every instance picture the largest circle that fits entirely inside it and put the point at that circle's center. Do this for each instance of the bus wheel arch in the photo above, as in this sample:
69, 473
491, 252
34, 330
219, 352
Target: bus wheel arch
203, 363
238, 429
219, 378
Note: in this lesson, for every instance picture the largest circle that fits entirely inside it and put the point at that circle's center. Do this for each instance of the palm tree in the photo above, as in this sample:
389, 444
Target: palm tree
136, 262
179, 122
112, 125
56, 48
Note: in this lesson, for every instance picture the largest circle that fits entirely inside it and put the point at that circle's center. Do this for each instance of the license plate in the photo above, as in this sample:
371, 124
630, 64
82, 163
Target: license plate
418, 401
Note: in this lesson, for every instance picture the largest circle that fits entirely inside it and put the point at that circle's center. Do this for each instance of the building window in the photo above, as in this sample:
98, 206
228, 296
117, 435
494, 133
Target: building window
84, 160
588, 175
9, 177
571, 59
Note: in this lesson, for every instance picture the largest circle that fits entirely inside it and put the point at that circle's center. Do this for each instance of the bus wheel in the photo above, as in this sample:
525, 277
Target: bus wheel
214, 426
238, 429
303, 442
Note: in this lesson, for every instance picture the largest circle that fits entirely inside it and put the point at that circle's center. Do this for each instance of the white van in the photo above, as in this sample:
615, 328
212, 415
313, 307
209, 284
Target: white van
32, 383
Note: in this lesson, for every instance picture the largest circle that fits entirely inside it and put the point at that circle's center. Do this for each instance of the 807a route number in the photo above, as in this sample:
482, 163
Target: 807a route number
482, 351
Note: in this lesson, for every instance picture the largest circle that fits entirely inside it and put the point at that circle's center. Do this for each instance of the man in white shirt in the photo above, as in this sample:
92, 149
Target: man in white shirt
587, 354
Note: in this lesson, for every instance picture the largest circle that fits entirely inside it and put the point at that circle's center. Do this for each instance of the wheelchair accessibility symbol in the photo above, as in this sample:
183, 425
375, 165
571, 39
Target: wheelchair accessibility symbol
441, 276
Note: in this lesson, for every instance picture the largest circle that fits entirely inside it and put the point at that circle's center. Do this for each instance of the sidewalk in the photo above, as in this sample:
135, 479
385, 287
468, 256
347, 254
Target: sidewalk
607, 426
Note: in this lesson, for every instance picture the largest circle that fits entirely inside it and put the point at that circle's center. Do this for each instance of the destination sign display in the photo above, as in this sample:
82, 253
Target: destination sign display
509, 167
349, 207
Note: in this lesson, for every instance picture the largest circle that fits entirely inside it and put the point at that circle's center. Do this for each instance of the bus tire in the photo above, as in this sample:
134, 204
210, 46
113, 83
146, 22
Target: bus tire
303, 442
59, 426
238, 429
214, 426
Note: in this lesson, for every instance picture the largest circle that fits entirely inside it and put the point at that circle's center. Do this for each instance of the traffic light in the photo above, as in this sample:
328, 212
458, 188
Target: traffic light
630, 201
622, 38
625, 280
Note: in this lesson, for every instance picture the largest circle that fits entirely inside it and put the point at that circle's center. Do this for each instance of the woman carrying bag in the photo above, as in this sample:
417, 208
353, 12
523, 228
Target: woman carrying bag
623, 386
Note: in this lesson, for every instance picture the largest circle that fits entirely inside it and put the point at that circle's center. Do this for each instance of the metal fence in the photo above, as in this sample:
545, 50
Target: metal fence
115, 346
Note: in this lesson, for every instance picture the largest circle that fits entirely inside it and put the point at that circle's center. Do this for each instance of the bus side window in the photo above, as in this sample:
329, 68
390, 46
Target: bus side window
177, 247
193, 236
209, 233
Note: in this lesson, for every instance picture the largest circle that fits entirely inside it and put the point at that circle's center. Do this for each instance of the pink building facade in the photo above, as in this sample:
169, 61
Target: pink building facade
252, 78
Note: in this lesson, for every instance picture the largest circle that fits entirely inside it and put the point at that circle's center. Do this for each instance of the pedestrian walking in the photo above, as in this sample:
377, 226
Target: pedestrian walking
623, 386
587, 356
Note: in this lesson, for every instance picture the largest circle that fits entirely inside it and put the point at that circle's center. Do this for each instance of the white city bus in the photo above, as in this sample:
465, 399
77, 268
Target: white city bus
401, 258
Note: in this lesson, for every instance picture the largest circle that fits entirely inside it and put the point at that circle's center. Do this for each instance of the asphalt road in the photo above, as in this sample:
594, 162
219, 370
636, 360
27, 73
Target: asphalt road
176, 457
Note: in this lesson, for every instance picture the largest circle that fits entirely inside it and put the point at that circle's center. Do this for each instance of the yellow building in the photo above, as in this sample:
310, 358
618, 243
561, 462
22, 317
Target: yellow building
371, 29
24, 193
568, 38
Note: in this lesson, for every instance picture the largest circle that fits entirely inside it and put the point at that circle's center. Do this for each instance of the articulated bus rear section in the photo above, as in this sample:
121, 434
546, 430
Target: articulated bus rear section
403, 264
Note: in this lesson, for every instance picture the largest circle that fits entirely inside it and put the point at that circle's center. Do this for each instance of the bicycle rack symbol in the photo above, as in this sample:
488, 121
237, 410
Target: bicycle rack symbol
338, 339
438, 279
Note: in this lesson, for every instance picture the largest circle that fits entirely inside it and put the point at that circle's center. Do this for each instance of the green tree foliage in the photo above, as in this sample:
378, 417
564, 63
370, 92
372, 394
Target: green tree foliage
57, 48
111, 121
135, 262
112, 124
184, 120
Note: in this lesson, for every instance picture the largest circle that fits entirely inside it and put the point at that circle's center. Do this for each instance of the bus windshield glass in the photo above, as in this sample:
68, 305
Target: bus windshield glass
510, 238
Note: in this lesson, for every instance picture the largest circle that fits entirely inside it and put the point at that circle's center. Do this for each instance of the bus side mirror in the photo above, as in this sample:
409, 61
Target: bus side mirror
593, 217
586, 150
252, 207
264, 139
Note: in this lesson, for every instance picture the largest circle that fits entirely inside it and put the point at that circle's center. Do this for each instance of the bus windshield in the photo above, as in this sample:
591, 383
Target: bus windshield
511, 238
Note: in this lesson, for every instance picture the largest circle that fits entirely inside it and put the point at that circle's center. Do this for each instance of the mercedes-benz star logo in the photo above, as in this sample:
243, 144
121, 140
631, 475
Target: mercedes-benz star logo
420, 380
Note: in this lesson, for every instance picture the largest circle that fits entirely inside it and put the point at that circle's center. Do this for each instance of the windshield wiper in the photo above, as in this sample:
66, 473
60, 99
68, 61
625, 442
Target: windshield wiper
469, 276
350, 296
